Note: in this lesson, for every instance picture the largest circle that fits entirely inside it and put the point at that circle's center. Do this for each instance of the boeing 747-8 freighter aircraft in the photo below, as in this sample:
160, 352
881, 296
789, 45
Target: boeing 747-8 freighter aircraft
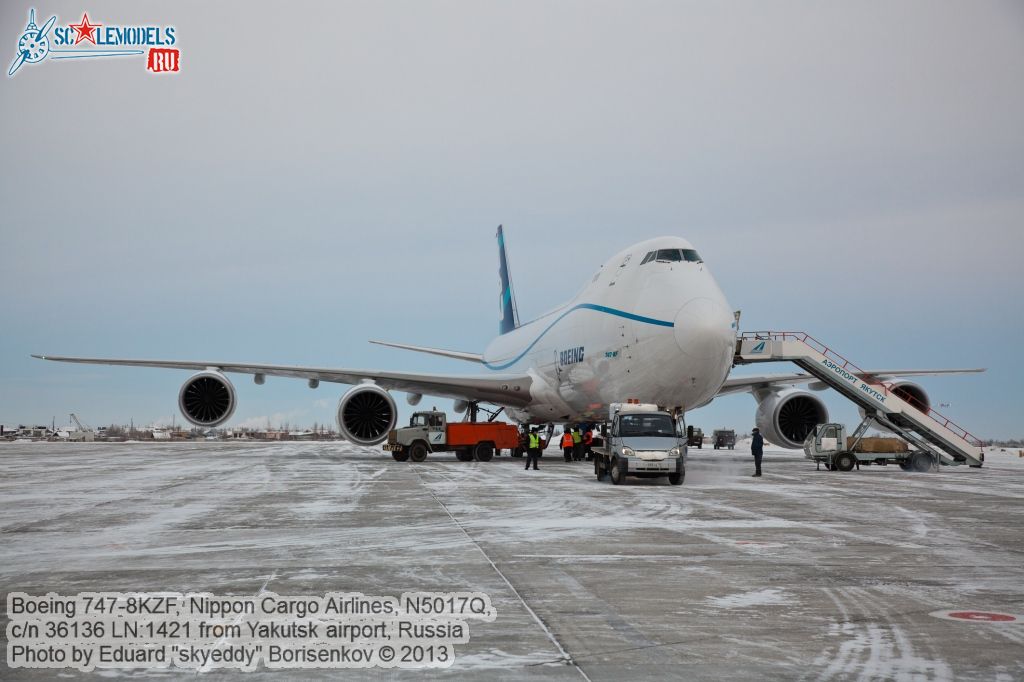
651, 325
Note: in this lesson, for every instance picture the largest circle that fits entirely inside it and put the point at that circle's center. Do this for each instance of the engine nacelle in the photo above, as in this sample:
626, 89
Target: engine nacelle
207, 399
911, 393
786, 417
366, 413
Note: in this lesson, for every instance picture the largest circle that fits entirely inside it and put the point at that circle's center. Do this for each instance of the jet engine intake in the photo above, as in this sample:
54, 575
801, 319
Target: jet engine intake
786, 417
207, 399
366, 413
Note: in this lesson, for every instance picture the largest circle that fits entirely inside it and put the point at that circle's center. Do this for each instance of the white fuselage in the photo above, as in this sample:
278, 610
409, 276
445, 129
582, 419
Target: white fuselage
658, 332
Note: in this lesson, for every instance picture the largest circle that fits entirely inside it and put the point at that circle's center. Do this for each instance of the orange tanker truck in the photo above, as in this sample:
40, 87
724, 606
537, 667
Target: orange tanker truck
431, 432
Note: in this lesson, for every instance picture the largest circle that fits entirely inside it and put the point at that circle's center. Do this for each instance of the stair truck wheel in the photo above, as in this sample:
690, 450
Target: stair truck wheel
418, 451
464, 455
483, 451
922, 462
844, 461
677, 477
400, 456
617, 474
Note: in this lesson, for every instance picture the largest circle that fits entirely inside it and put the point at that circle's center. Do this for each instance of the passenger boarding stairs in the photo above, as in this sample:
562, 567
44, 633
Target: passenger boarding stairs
919, 425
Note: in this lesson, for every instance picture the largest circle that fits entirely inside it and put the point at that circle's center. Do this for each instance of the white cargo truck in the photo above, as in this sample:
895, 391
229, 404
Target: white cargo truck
643, 441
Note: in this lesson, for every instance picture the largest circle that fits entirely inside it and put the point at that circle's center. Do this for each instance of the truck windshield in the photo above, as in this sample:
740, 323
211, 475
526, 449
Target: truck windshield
646, 425
418, 420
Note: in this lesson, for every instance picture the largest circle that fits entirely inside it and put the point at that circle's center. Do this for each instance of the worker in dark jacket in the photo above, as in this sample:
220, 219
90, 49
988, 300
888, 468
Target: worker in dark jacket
588, 442
757, 450
532, 449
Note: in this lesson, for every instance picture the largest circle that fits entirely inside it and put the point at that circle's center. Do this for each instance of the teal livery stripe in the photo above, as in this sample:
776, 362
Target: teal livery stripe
581, 306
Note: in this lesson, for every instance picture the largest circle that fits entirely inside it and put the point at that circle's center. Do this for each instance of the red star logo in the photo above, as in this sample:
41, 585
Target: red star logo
85, 30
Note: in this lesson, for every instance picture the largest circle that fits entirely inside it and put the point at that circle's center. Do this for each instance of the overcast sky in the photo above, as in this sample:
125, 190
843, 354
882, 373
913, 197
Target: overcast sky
316, 178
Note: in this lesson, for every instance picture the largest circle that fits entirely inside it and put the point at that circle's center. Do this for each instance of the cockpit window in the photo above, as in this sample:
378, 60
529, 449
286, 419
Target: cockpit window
678, 255
648, 258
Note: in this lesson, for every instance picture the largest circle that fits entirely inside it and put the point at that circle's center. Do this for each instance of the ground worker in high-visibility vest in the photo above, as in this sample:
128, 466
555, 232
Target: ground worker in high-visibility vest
588, 441
567, 444
577, 443
533, 449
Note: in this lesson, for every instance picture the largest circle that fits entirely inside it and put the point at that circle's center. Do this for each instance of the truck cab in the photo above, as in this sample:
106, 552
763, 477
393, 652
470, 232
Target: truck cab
643, 441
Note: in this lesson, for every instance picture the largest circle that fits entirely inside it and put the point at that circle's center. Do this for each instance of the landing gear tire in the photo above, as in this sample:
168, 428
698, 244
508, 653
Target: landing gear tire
616, 473
483, 452
418, 452
677, 478
400, 455
922, 462
464, 455
844, 461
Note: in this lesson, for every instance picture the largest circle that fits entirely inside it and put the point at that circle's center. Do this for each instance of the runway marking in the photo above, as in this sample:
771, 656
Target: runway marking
976, 616
238, 618
566, 656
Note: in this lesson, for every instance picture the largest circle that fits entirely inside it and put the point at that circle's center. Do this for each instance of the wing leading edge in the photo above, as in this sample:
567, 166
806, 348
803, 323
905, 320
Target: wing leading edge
503, 389
768, 381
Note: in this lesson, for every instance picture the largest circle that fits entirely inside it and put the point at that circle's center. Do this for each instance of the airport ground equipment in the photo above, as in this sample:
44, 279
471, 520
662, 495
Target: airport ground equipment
643, 441
695, 437
937, 439
431, 431
828, 444
724, 438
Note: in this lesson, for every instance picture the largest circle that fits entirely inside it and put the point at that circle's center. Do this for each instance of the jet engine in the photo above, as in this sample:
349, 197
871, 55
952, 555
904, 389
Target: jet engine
911, 393
786, 417
366, 413
207, 399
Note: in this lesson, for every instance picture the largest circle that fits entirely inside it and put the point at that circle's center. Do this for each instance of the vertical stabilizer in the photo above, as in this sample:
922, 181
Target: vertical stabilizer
509, 319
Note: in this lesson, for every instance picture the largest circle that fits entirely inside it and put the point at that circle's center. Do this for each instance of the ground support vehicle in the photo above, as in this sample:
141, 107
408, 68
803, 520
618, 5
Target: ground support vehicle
695, 437
829, 445
643, 441
432, 432
724, 438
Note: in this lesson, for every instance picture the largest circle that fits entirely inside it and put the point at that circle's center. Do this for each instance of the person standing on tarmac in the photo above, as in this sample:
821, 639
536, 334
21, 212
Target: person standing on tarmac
757, 450
577, 443
588, 440
532, 449
567, 444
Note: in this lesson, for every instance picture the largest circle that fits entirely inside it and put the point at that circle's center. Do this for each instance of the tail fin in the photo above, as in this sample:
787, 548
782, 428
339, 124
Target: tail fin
509, 314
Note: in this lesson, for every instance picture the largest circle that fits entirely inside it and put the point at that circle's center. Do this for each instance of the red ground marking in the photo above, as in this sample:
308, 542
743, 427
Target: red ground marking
982, 616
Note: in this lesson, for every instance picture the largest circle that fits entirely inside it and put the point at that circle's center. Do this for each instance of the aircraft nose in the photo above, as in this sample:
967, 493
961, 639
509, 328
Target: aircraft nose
703, 329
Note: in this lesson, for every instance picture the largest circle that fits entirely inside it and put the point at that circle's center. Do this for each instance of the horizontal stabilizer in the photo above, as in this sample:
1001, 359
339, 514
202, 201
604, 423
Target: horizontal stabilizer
456, 354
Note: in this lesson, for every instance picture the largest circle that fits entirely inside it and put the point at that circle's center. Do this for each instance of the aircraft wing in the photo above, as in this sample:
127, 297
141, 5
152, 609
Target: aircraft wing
503, 389
768, 381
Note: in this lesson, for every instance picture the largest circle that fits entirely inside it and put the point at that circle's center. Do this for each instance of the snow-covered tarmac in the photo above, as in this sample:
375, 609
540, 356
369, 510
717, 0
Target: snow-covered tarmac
801, 574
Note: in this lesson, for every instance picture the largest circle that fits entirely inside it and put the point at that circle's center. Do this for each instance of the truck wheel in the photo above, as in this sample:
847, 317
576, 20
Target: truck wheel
922, 462
618, 478
418, 451
905, 465
464, 455
518, 452
484, 451
400, 455
844, 461
598, 469
677, 478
